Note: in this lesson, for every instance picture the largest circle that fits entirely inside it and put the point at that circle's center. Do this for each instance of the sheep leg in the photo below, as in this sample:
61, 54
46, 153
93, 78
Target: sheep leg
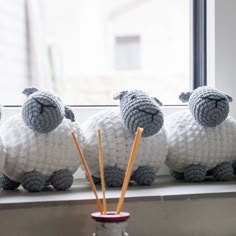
62, 180
223, 171
195, 173
33, 181
8, 184
114, 176
144, 175
234, 166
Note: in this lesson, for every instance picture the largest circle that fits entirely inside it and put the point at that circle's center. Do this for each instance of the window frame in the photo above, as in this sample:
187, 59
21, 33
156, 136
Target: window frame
199, 43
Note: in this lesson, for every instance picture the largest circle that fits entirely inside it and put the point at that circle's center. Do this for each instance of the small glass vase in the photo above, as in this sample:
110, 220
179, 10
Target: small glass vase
111, 224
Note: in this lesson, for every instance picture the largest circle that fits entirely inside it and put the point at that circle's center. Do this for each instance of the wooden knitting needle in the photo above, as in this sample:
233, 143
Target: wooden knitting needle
87, 171
129, 169
101, 164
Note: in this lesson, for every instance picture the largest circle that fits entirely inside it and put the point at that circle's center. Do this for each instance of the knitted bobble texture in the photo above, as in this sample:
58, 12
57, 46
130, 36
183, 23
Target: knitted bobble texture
117, 143
2, 154
191, 143
46, 153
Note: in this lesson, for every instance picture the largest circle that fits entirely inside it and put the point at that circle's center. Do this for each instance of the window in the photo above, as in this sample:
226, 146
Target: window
14, 64
127, 53
86, 50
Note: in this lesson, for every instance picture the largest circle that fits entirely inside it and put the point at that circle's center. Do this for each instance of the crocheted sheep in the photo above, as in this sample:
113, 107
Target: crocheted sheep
201, 140
118, 127
38, 146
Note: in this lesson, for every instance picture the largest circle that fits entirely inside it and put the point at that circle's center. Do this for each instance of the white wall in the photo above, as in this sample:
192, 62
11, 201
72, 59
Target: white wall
222, 47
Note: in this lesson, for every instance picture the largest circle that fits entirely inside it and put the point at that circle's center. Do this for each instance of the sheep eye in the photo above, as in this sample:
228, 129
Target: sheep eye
133, 97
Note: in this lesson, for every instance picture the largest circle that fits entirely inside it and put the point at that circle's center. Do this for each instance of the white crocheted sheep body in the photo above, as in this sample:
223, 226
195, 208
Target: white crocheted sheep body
190, 143
117, 143
27, 150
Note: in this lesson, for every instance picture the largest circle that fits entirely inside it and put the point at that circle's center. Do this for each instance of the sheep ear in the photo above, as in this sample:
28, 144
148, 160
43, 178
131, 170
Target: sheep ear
119, 95
184, 97
157, 100
29, 91
230, 99
69, 114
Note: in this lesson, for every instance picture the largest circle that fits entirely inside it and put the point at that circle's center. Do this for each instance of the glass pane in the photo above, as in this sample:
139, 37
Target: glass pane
14, 63
95, 48
88, 35
127, 53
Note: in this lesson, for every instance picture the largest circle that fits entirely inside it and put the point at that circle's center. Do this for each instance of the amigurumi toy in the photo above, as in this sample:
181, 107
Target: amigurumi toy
38, 147
201, 139
118, 127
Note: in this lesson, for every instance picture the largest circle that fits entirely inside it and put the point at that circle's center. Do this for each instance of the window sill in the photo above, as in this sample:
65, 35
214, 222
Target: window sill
165, 188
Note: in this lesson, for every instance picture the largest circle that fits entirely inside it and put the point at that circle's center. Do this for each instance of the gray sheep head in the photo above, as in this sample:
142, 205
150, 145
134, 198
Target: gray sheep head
43, 111
209, 106
140, 110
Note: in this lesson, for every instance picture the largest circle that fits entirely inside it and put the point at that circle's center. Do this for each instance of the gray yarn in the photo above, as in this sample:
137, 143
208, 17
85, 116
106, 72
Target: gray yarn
114, 176
177, 175
42, 111
96, 180
209, 107
69, 114
209, 172
8, 184
223, 171
184, 97
29, 91
195, 173
47, 183
62, 180
140, 110
234, 166
33, 181
144, 175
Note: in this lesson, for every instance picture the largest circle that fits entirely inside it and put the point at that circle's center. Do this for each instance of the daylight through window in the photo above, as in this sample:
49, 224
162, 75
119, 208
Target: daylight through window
87, 50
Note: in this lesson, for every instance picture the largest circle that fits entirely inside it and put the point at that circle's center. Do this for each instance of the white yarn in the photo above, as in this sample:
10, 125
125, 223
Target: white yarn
27, 150
117, 143
2, 155
191, 143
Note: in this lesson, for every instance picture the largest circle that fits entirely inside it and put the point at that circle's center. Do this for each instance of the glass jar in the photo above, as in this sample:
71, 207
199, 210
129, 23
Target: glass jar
111, 224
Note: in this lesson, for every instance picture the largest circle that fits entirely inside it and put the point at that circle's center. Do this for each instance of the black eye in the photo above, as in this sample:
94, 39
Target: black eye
133, 97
